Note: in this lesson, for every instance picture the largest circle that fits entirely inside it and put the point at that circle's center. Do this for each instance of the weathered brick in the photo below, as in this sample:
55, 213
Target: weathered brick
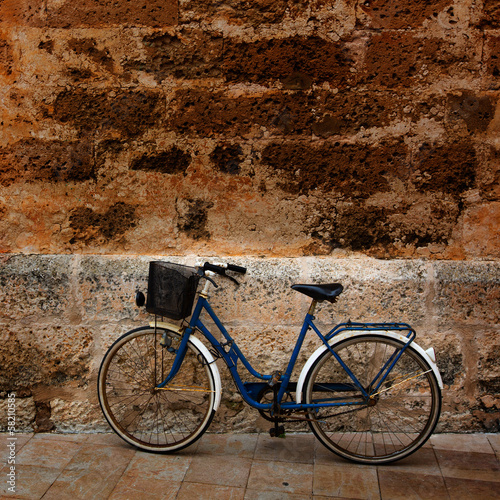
95, 13
475, 110
295, 61
401, 60
193, 217
186, 54
128, 112
449, 168
22, 12
34, 160
87, 47
323, 113
480, 230
397, 14
227, 158
6, 57
172, 161
490, 18
205, 113
492, 52
346, 169
254, 13
489, 363
489, 181
87, 225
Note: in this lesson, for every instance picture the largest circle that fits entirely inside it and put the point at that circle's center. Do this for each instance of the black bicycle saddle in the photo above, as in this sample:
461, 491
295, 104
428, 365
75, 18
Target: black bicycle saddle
328, 292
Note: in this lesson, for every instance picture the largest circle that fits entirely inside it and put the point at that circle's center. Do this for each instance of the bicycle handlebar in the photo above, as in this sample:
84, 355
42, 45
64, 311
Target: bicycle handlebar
221, 269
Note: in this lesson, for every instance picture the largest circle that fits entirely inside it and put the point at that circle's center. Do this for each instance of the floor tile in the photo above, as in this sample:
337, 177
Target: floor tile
30, 482
274, 495
322, 455
349, 482
82, 483
162, 467
249, 467
321, 497
462, 442
51, 436
10, 446
219, 470
297, 448
409, 486
478, 466
108, 459
494, 440
284, 477
326, 456
50, 452
133, 486
107, 439
467, 489
194, 491
92, 473
238, 445
423, 461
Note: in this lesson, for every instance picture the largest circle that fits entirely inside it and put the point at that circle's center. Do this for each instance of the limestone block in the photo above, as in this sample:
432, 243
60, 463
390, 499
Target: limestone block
107, 287
25, 411
374, 290
35, 287
489, 367
77, 416
49, 355
264, 295
467, 292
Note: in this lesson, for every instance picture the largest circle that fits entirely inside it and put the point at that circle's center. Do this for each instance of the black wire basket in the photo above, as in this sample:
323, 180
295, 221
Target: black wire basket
171, 289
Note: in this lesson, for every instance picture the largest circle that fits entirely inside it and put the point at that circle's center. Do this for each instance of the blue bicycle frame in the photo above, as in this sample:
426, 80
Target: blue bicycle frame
231, 354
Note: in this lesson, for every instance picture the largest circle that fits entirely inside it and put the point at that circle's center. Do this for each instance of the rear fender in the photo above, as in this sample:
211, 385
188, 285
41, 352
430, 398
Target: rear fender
427, 355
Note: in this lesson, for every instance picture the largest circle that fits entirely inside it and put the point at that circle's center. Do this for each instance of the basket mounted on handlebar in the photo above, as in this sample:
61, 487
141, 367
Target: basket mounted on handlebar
171, 289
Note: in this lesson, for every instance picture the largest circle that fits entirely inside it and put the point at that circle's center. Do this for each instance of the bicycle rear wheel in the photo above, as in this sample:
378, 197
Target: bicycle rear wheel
394, 422
152, 419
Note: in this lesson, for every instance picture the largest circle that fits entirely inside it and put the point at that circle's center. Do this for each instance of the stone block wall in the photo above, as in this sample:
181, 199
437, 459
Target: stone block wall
62, 312
331, 140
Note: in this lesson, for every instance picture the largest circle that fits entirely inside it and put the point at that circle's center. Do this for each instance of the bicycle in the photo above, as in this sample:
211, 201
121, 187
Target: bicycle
369, 393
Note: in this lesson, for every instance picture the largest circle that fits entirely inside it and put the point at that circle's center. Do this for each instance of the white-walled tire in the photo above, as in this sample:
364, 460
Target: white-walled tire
395, 422
157, 420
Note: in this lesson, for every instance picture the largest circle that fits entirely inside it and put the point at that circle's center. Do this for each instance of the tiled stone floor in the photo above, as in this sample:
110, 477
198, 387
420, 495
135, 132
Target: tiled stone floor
248, 466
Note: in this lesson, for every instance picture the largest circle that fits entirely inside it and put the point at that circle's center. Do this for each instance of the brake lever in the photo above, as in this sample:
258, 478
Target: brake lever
232, 279
211, 281
201, 272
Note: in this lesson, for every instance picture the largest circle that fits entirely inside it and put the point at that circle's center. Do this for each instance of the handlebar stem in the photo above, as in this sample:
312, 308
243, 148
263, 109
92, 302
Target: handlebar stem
206, 286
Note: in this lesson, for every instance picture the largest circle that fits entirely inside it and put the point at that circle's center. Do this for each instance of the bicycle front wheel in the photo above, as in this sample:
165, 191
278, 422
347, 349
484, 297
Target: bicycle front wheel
397, 418
153, 419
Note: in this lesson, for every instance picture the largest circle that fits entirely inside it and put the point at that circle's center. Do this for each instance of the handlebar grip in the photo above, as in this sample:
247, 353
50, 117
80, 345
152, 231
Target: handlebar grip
213, 267
236, 269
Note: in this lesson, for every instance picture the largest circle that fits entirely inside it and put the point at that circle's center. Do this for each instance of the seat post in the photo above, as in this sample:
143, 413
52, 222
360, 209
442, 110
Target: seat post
312, 307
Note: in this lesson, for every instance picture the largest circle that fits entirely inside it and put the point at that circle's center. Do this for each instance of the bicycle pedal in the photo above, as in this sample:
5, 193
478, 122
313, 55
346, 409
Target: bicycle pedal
277, 431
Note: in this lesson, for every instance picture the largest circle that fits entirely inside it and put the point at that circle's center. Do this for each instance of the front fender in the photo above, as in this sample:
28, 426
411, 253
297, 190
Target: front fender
358, 333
